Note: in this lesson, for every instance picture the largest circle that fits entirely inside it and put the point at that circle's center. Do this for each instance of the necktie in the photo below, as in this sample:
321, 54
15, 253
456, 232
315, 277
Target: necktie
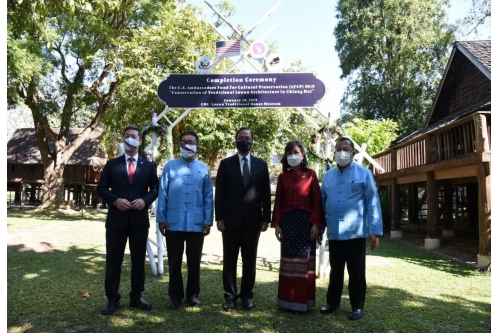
131, 169
246, 172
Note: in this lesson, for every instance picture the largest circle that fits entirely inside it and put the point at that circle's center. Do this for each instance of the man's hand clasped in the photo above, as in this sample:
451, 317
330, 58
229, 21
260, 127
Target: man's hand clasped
124, 204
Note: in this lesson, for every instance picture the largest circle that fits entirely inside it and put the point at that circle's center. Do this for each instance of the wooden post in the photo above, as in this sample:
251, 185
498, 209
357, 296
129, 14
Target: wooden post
431, 149
395, 206
394, 160
415, 208
472, 209
33, 193
481, 126
432, 206
18, 194
484, 207
411, 208
448, 205
482, 144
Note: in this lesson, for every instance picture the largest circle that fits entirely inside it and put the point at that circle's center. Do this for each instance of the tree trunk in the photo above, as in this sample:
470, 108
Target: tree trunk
53, 187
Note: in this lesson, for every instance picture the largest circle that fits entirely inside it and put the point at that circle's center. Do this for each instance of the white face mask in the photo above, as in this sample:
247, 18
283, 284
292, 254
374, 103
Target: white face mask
130, 144
188, 151
293, 160
342, 158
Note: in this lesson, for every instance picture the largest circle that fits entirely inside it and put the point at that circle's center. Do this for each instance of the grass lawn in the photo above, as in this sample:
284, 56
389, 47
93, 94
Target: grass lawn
58, 286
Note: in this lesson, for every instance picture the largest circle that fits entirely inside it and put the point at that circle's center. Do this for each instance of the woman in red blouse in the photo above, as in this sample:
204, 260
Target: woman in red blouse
298, 217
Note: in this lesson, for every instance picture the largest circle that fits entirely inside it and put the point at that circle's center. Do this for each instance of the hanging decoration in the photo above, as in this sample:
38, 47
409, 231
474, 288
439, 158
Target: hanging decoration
160, 132
317, 156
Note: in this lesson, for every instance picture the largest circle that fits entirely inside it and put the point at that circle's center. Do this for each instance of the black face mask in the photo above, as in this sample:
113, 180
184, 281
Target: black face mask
243, 146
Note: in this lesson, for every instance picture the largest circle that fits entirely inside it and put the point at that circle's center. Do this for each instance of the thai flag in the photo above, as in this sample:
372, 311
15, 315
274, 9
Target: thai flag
227, 48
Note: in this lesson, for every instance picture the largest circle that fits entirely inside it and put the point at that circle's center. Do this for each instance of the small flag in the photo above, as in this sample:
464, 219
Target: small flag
227, 48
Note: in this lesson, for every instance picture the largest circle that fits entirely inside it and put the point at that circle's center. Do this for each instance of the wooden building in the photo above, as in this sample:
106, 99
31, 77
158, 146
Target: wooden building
443, 170
25, 169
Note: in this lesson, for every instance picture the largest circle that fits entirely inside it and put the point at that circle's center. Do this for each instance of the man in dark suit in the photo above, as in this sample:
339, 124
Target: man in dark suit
242, 211
129, 185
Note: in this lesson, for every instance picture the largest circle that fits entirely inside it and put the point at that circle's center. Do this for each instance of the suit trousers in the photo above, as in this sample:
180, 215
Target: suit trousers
116, 240
233, 241
175, 249
353, 253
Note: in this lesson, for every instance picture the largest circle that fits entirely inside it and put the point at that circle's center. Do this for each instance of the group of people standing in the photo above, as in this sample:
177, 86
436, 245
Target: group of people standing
346, 204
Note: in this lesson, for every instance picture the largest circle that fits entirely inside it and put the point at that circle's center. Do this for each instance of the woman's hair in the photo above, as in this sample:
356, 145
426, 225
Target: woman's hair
289, 146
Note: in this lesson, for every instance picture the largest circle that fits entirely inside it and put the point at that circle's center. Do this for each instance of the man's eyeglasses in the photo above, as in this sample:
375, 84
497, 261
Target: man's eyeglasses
193, 143
244, 138
344, 150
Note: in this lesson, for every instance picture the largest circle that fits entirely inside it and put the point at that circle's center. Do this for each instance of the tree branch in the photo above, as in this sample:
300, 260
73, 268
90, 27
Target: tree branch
63, 63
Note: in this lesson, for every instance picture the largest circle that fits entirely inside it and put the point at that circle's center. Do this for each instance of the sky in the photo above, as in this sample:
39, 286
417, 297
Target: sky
304, 32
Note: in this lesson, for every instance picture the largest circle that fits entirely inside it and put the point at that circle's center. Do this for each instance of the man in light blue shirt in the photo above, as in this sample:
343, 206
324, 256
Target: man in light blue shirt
353, 216
185, 215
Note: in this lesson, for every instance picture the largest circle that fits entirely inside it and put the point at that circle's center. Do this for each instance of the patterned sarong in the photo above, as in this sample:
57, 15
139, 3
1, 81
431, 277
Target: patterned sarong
297, 280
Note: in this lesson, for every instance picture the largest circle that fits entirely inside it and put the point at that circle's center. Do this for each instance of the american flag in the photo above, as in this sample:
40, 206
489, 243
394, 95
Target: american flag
227, 48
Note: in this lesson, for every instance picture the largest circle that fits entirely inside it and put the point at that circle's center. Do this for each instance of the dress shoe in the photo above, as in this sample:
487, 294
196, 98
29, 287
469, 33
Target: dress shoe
228, 305
140, 303
355, 314
174, 304
247, 304
111, 308
193, 301
328, 308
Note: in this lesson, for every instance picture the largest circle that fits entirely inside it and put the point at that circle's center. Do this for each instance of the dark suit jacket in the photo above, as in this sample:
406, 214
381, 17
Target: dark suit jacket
114, 184
236, 205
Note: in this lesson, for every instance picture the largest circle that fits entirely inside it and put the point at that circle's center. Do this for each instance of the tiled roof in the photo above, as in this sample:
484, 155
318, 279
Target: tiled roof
464, 54
22, 148
478, 51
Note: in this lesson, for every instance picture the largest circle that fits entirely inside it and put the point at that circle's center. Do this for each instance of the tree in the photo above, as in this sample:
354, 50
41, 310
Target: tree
478, 15
378, 135
216, 127
66, 61
393, 53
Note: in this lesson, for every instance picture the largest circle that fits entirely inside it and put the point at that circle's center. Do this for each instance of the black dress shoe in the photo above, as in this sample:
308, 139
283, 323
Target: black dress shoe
193, 301
247, 304
111, 308
140, 303
228, 305
174, 304
329, 308
355, 314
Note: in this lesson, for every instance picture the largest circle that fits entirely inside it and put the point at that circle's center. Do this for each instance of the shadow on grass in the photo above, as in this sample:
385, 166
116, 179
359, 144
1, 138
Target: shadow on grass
59, 215
46, 293
393, 248
263, 263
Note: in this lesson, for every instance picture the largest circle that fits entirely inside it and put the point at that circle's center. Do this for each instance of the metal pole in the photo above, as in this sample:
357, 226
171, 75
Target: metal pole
227, 22
263, 18
170, 149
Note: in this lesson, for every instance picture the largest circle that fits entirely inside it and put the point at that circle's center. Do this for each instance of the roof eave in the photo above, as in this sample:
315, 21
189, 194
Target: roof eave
474, 60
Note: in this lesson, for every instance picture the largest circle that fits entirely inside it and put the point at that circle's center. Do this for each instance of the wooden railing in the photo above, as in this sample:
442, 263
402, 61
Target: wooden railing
411, 155
463, 137
456, 141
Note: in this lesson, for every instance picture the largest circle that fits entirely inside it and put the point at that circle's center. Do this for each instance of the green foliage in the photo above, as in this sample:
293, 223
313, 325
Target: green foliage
377, 135
393, 53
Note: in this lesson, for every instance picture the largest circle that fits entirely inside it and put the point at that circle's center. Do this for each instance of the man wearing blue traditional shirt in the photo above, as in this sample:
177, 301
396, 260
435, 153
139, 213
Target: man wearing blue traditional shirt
353, 215
185, 215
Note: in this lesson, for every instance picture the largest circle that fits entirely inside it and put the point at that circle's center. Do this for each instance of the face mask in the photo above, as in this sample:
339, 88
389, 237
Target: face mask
243, 146
130, 144
188, 151
293, 160
342, 158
